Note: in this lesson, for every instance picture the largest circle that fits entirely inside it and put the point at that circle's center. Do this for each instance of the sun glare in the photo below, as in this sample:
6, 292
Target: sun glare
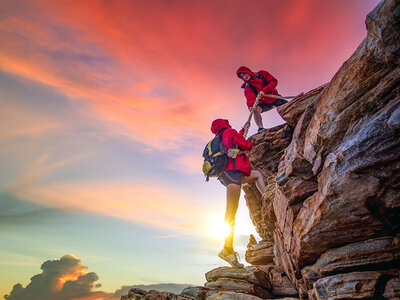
219, 229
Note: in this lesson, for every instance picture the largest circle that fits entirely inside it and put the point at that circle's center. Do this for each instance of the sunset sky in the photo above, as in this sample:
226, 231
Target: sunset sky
105, 110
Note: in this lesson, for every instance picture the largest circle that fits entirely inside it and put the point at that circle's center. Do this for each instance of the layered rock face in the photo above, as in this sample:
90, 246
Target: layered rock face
337, 185
329, 222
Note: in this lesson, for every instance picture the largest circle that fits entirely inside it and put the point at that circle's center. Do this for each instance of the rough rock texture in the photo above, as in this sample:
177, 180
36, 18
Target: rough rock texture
268, 148
292, 111
281, 285
249, 274
356, 285
140, 294
237, 285
371, 253
392, 289
199, 292
225, 295
261, 253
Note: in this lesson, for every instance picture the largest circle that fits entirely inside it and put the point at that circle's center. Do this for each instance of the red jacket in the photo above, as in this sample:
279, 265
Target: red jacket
230, 138
270, 88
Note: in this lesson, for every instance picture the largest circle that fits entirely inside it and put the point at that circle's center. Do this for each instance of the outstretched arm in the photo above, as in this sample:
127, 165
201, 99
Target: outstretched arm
272, 82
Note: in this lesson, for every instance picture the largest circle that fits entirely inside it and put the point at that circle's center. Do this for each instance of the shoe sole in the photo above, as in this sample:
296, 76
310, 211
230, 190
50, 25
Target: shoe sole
241, 266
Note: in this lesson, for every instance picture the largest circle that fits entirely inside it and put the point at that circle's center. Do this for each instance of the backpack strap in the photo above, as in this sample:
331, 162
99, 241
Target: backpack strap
258, 75
222, 131
252, 87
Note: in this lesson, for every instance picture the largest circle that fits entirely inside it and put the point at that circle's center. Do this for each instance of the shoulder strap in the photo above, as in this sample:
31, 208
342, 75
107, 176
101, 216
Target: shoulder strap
222, 131
252, 87
258, 75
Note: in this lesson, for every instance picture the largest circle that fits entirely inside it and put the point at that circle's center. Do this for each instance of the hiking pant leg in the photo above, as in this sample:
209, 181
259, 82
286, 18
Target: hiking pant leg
280, 102
232, 203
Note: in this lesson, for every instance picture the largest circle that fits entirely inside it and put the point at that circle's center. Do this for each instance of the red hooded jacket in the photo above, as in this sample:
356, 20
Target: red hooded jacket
270, 88
230, 137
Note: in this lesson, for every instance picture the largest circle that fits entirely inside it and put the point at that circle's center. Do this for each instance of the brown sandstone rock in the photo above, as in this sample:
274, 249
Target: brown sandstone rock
281, 285
268, 148
255, 204
198, 292
282, 257
354, 201
356, 285
240, 296
140, 294
236, 285
249, 274
225, 295
362, 86
369, 254
260, 253
292, 110
392, 289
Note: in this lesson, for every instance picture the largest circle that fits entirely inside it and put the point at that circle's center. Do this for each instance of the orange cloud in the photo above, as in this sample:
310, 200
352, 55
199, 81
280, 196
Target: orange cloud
156, 206
64, 279
161, 80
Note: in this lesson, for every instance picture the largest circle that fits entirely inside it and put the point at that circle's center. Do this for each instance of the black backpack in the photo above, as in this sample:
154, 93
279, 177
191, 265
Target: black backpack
215, 157
252, 86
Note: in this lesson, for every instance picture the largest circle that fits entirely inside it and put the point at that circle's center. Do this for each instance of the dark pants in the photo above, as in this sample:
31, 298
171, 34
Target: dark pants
269, 106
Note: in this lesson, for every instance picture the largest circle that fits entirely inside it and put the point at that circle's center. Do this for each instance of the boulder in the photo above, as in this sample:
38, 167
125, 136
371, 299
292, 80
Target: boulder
260, 253
236, 285
198, 292
249, 274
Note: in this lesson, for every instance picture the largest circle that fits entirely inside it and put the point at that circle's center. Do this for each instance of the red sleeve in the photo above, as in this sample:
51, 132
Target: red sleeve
232, 137
250, 96
272, 82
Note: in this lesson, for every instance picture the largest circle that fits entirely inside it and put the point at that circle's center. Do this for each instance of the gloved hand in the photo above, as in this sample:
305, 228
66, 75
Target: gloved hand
232, 153
261, 94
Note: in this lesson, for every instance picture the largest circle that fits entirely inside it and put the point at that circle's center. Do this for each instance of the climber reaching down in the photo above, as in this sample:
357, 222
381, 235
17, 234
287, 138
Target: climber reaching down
237, 172
255, 83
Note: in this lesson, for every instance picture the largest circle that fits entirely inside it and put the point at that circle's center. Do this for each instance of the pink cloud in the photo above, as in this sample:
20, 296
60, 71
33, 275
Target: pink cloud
161, 80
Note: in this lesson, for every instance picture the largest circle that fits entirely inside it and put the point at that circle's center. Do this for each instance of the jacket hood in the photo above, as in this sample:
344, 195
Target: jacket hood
244, 69
219, 124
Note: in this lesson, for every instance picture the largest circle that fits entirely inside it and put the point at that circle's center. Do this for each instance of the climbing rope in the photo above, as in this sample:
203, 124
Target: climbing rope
234, 152
261, 94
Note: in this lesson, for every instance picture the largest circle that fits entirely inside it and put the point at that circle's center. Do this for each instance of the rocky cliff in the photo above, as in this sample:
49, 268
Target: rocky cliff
330, 220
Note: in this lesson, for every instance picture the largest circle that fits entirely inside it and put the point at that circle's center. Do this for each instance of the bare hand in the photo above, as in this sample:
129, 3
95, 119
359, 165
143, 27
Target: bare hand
233, 153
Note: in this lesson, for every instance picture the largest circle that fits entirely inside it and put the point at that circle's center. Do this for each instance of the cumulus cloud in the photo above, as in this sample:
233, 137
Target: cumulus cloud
67, 279
61, 279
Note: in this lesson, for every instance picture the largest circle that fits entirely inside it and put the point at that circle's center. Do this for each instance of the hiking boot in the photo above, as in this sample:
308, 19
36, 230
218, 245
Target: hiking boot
259, 129
230, 257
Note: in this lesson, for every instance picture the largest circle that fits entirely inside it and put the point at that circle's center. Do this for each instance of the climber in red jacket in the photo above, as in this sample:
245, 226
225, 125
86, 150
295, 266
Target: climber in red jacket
237, 171
254, 83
